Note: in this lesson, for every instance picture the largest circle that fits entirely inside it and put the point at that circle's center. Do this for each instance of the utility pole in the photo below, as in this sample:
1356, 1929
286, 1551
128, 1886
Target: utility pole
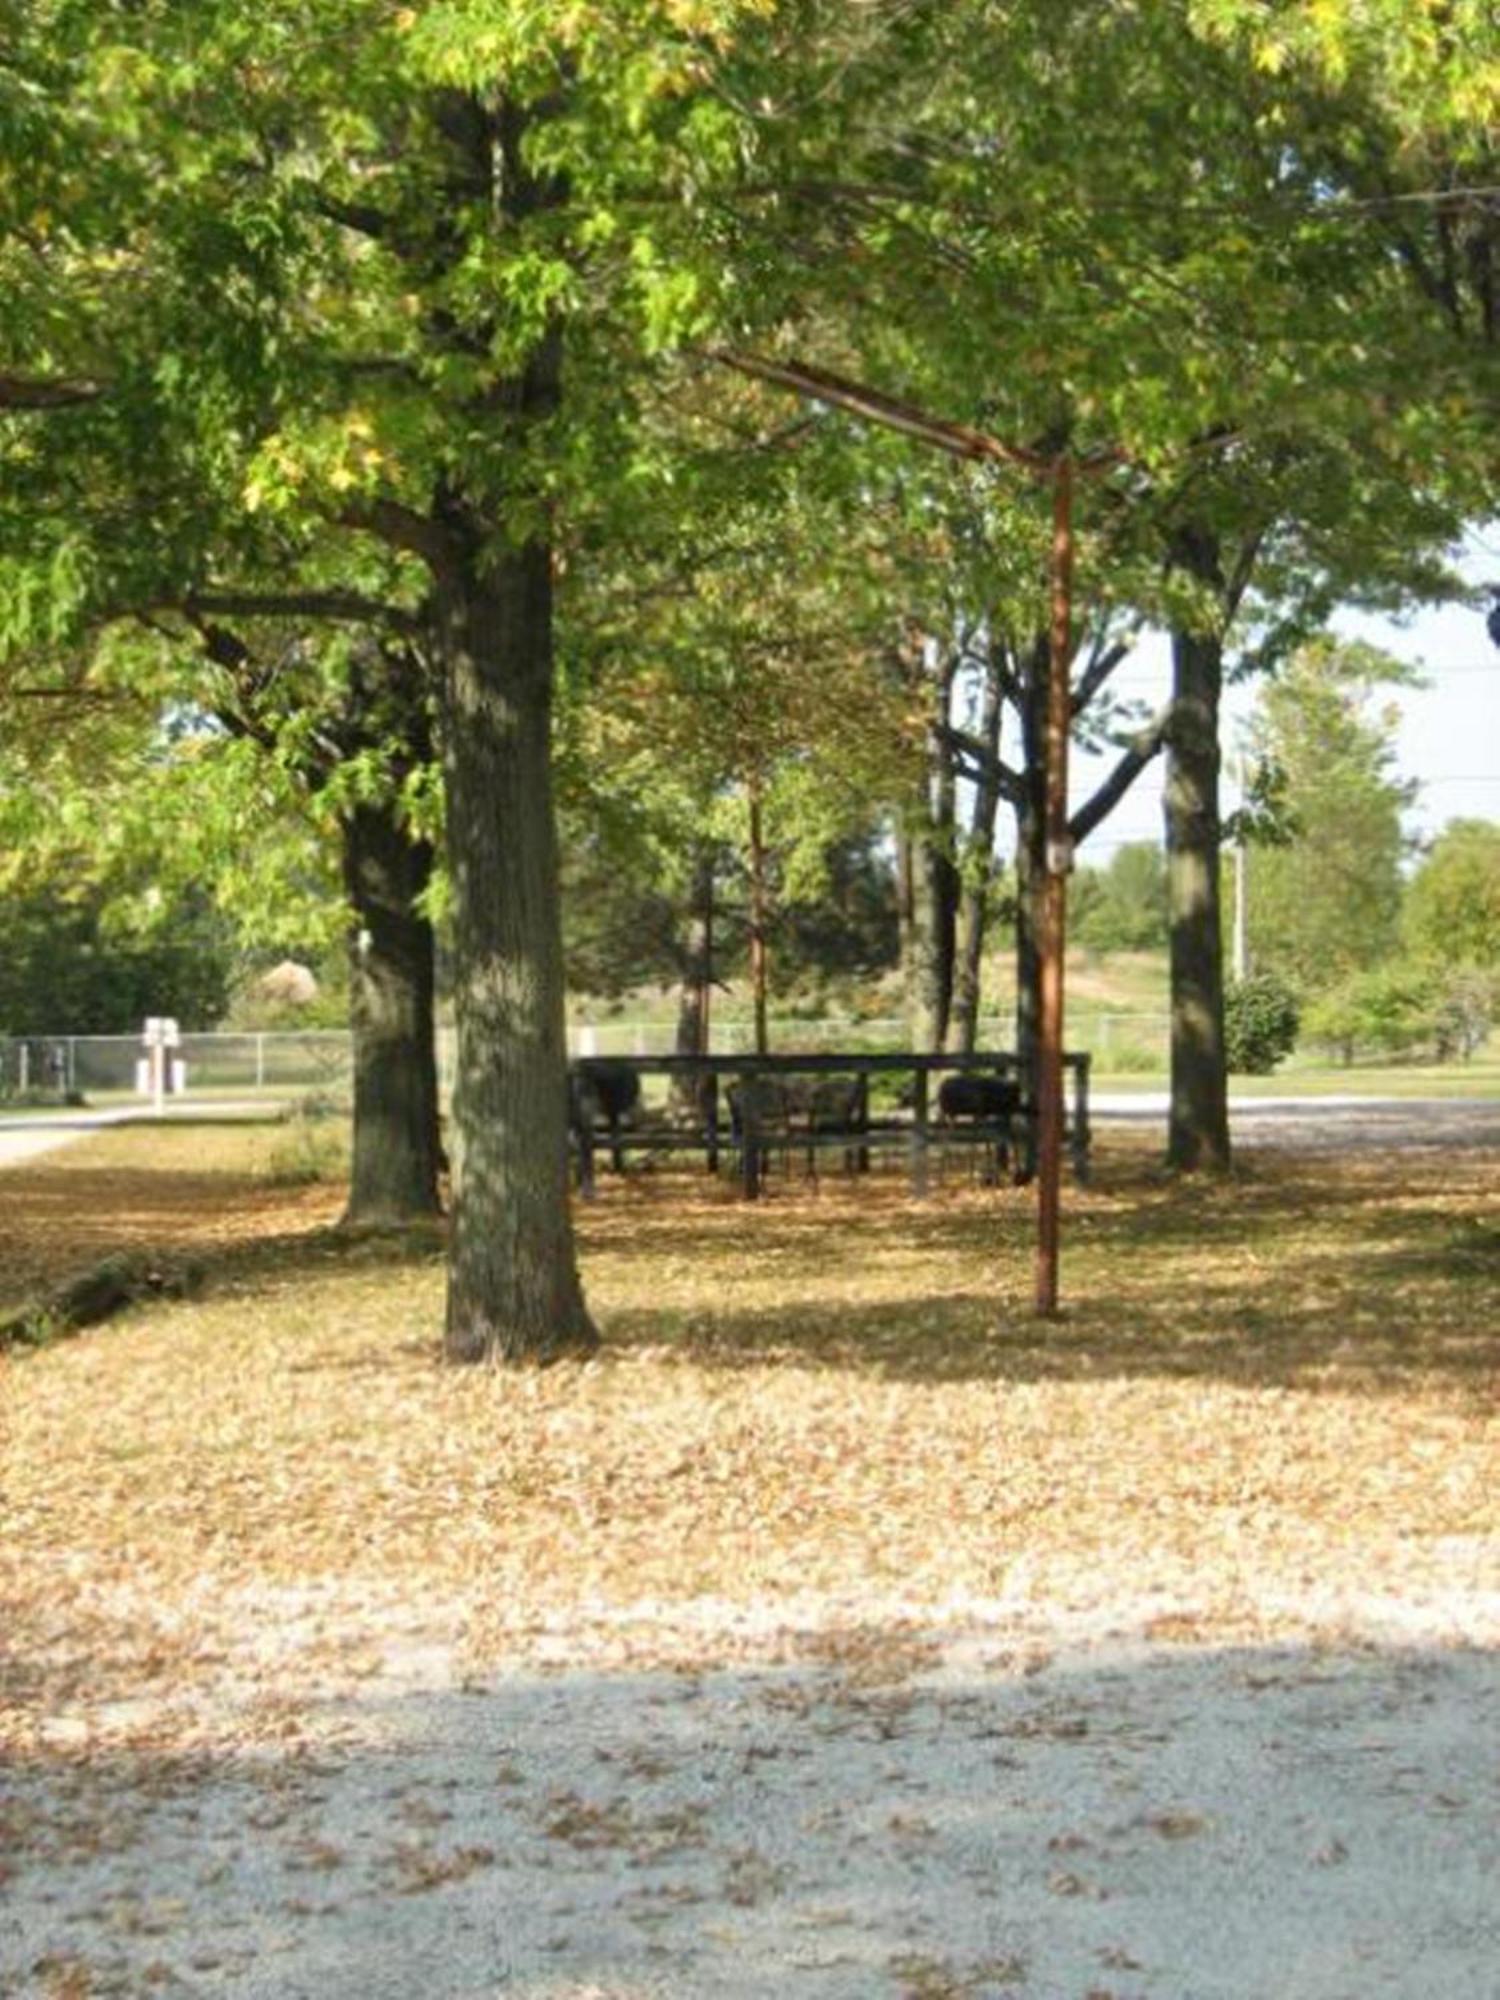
1059, 468
1241, 958
1059, 861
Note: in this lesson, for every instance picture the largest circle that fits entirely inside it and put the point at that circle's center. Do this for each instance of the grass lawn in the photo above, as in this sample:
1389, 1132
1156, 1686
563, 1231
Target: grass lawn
1298, 1078
1278, 1392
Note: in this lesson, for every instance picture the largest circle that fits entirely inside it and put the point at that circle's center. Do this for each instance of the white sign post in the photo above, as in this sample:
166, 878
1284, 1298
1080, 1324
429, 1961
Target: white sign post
161, 1035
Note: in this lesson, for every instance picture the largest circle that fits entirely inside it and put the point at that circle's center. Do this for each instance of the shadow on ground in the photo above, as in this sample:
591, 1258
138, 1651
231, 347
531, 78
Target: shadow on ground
878, 1818
1289, 1273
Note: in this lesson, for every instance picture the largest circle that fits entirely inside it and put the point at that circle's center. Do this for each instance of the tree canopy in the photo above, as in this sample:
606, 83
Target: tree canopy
459, 328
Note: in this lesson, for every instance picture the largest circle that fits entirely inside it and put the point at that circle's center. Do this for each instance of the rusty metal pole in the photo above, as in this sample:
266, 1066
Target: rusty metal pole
1054, 894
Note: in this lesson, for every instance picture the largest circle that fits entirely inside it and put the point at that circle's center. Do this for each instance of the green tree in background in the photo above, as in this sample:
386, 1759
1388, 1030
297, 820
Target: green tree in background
1453, 900
1123, 907
1327, 903
71, 966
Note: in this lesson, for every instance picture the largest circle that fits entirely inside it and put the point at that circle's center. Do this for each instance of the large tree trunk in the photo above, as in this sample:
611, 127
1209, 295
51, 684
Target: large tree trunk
1198, 1123
396, 1144
513, 1286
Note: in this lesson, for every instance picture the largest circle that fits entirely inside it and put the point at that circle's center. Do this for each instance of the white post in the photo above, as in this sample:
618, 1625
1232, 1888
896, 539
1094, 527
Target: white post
24, 1071
161, 1034
260, 1062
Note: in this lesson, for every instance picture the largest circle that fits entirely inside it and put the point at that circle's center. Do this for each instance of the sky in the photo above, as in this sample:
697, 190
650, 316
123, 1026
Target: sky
1448, 738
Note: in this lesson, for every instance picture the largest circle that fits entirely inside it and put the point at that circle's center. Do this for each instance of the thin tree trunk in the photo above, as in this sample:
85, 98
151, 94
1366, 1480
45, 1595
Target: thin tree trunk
695, 997
1028, 942
934, 883
977, 878
759, 913
1198, 1123
1031, 857
396, 1143
513, 1285
697, 959
906, 908
1030, 861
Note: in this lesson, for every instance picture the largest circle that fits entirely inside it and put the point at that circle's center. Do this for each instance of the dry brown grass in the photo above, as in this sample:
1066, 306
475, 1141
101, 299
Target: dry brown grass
1284, 1385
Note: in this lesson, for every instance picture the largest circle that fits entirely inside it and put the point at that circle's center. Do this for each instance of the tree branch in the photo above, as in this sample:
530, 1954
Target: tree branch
97, 695
1102, 663
346, 607
1138, 754
979, 761
400, 528
958, 440
26, 392
1238, 582
359, 216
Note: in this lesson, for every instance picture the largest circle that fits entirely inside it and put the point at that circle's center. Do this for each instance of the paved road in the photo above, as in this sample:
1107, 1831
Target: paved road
1331, 1124
26, 1135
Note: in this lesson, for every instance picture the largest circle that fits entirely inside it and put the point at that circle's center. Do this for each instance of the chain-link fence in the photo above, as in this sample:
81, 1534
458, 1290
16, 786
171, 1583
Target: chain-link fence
1117, 1040
317, 1061
212, 1065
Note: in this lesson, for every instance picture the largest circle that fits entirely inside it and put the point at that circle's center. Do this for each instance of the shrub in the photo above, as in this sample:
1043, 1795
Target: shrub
1404, 1009
309, 1149
1388, 1011
1260, 1023
1465, 1011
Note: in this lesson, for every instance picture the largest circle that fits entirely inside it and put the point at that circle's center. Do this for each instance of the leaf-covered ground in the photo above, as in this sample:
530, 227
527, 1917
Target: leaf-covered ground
1266, 1396
838, 1624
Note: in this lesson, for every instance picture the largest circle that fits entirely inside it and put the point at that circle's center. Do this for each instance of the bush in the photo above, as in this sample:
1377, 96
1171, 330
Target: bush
1404, 1009
1465, 1011
1260, 1023
309, 1149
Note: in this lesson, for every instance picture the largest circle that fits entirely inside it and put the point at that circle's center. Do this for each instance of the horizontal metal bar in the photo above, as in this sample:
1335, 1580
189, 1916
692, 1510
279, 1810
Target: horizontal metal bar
853, 1062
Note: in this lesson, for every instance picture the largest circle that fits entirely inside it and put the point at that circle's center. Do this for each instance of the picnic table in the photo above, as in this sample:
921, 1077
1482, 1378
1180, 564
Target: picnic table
727, 1116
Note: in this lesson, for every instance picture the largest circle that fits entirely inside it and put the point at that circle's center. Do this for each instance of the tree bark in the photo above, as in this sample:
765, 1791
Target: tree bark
934, 881
513, 1287
1031, 854
396, 1143
695, 999
977, 879
1198, 1122
759, 920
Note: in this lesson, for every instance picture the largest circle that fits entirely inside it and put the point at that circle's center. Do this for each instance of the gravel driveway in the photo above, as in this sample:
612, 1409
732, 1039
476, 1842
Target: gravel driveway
962, 1816
1328, 1124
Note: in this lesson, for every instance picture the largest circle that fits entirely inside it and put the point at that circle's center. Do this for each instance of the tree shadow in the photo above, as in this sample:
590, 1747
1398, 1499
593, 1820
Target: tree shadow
1250, 1337
866, 1817
1280, 1276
